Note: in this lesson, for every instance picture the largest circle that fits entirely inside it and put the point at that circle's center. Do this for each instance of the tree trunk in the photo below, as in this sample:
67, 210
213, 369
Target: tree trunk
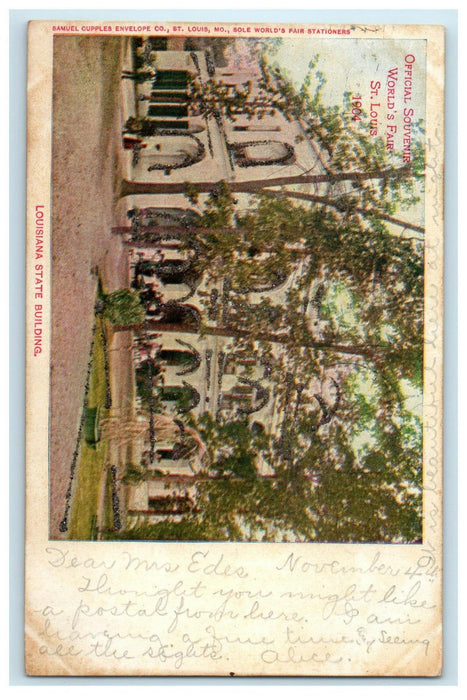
157, 230
326, 201
197, 478
173, 243
256, 186
368, 351
180, 231
171, 247
283, 338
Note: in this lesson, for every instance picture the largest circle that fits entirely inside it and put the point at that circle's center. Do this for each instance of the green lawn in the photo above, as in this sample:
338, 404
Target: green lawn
91, 462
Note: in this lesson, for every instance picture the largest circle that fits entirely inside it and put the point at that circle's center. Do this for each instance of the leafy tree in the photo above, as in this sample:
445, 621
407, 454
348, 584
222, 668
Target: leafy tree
123, 308
344, 469
379, 278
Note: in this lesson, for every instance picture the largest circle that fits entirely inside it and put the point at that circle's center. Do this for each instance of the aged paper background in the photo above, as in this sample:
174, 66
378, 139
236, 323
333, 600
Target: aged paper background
104, 608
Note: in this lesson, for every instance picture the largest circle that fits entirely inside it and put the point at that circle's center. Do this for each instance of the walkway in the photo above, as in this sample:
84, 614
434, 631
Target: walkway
86, 172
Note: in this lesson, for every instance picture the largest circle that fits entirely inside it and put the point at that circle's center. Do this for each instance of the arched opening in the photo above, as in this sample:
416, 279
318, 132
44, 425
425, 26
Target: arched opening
176, 358
167, 216
179, 451
165, 227
173, 275
183, 314
169, 270
168, 149
187, 360
173, 270
174, 316
184, 397
255, 153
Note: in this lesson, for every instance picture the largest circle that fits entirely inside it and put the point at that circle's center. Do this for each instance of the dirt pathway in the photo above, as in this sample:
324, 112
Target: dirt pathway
85, 174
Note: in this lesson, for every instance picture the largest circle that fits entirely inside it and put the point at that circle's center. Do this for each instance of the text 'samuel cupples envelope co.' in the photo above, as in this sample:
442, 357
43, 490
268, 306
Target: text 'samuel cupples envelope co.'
234, 349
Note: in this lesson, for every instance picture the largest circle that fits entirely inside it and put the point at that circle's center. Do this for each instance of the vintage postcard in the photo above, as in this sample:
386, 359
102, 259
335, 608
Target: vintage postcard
234, 349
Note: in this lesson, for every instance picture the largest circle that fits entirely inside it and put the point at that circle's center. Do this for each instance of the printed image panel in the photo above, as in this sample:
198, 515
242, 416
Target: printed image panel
237, 289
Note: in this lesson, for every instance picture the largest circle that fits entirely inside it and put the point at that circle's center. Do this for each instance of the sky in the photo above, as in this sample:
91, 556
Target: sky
357, 66
350, 65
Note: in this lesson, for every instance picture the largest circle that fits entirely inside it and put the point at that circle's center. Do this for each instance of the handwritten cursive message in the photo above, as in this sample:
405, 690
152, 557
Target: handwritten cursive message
205, 612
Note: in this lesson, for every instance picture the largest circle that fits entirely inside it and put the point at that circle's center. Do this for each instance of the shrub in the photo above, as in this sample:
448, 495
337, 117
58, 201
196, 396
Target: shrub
124, 308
